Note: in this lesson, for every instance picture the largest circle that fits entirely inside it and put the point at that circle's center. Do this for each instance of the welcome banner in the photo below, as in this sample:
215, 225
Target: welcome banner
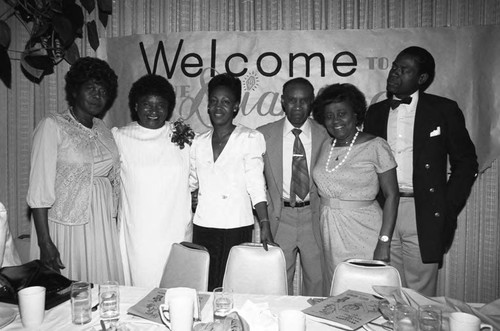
467, 70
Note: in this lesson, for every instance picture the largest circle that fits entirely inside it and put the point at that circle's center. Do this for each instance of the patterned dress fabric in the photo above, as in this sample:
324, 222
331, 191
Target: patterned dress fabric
351, 233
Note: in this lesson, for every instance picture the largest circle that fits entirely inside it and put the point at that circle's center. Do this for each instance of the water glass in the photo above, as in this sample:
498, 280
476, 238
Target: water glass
405, 318
109, 300
429, 318
387, 310
81, 302
223, 303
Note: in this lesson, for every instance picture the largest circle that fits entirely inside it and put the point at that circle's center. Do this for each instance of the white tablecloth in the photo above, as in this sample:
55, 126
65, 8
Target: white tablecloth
59, 318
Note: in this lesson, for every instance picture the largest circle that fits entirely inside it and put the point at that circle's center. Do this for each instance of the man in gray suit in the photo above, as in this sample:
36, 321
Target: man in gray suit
293, 205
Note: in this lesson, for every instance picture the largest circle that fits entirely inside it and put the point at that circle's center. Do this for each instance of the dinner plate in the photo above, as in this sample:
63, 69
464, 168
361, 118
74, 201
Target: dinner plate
7, 316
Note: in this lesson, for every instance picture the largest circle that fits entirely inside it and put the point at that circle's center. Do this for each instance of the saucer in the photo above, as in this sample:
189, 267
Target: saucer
7, 316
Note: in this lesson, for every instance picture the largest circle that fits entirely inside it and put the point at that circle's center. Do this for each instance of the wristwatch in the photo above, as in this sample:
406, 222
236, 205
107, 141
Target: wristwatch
384, 238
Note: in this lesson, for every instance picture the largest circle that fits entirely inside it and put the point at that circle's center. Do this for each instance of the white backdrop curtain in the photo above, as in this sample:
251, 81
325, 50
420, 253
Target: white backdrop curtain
471, 270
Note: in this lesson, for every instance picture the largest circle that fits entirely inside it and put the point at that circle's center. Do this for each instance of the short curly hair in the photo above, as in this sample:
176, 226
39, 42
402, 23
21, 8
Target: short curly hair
91, 69
151, 84
336, 93
227, 80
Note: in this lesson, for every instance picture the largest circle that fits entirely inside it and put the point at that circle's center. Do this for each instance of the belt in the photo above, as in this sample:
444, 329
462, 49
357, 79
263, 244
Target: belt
406, 194
297, 204
345, 204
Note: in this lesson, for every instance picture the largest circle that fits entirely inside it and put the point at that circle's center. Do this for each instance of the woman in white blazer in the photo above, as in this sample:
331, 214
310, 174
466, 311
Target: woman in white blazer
227, 170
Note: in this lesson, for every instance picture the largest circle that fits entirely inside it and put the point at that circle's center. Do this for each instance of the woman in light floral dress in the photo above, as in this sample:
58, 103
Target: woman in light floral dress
350, 171
74, 185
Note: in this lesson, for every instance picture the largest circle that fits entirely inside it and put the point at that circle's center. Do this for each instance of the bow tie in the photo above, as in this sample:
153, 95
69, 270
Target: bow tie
394, 103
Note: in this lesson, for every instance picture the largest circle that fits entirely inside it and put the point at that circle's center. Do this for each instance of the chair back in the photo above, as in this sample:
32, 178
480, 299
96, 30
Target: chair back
251, 269
361, 275
187, 266
8, 252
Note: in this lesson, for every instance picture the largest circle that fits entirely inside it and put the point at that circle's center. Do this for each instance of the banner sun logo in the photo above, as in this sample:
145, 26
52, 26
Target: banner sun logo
250, 81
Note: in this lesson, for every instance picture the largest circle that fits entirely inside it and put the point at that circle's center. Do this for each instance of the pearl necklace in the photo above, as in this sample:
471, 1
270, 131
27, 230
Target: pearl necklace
345, 157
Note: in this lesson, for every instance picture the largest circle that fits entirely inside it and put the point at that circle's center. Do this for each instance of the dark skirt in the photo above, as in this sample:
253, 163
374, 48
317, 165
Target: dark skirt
218, 243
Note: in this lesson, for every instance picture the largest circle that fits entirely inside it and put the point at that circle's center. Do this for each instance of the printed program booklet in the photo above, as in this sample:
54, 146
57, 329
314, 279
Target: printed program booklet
349, 310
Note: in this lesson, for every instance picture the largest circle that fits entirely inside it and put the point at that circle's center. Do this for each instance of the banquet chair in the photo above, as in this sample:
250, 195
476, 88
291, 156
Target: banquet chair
8, 252
361, 275
187, 266
251, 269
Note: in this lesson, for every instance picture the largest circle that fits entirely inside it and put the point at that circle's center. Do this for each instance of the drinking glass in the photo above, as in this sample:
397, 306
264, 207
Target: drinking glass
223, 303
405, 318
81, 302
387, 310
109, 300
429, 318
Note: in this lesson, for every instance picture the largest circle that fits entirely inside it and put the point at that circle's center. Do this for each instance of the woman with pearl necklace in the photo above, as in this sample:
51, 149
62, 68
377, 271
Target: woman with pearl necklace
351, 169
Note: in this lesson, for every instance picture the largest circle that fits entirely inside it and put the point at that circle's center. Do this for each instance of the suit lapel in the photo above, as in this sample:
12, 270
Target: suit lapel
275, 153
317, 138
421, 130
382, 124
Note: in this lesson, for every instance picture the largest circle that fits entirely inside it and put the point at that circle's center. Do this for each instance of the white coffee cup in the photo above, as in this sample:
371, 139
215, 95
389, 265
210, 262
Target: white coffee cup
178, 310
292, 320
32, 305
467, 322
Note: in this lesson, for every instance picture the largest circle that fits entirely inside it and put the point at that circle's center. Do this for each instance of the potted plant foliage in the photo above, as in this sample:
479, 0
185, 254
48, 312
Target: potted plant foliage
53, 27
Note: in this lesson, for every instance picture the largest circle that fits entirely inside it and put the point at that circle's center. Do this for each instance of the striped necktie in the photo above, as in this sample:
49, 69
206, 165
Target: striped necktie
300, 175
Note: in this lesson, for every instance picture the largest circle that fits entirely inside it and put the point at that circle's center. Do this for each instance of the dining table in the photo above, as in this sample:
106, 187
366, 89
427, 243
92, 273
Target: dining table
260, 311
269, 306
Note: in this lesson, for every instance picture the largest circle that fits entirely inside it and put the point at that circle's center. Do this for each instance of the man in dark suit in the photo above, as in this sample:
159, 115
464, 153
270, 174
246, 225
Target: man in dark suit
294, 216
424, 131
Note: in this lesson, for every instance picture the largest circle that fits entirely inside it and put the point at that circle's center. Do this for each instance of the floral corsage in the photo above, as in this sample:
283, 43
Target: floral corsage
181, 133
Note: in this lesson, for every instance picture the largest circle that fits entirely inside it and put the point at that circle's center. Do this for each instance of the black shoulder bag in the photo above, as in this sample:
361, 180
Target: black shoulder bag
34, 273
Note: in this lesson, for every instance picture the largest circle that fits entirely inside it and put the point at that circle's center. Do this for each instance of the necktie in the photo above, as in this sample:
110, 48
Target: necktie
394, 103
300, 175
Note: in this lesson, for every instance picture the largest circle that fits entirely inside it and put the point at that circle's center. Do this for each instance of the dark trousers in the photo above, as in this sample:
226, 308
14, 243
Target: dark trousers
218, 243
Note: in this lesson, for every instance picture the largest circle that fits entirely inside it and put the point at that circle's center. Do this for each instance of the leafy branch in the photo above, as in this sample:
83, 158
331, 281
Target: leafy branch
53, 27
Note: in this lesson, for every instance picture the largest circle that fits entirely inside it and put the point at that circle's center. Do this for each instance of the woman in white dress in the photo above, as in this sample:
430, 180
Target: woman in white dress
155, 207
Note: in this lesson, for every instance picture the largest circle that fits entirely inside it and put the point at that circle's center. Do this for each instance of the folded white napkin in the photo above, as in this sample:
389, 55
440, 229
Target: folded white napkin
258, 316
